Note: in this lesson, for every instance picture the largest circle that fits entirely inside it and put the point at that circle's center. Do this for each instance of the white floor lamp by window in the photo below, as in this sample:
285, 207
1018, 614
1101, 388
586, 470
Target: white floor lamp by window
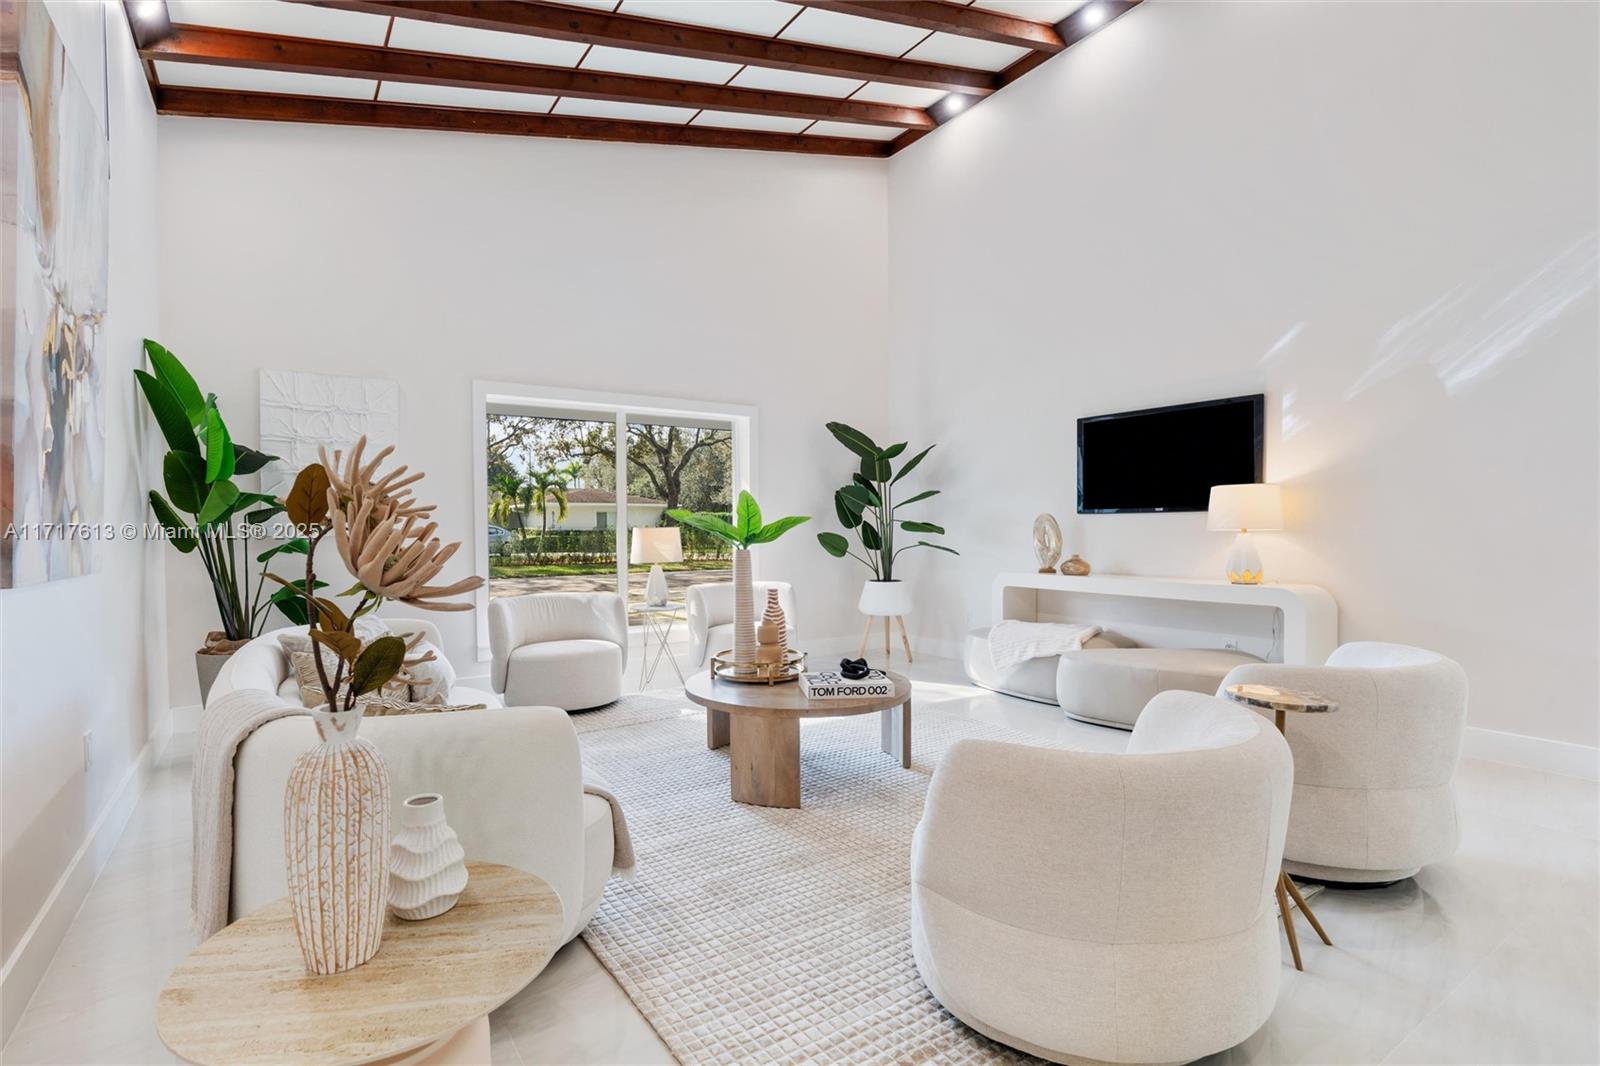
1243, 508
656, 545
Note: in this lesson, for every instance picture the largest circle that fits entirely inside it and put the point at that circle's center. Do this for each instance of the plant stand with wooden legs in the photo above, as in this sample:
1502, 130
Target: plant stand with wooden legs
905, 638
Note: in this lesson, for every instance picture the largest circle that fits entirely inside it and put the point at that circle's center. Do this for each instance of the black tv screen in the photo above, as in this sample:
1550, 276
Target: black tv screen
1167, 458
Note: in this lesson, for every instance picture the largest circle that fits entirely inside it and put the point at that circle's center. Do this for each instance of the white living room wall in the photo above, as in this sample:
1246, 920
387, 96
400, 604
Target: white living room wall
1382, 216
78, 656
439, 259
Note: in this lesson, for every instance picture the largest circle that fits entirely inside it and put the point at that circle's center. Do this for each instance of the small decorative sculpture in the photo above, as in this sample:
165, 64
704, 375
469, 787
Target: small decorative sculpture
772, 635
854, 669
1075, 566
1047, 542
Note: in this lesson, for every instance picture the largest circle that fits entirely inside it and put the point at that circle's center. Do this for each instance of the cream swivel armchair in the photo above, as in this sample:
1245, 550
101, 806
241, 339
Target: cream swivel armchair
1117, 908
565, 649
1373, 794
711, 616
513, 779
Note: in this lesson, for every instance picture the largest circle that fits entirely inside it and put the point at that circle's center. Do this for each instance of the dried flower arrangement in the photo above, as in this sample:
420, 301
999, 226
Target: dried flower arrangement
385, 538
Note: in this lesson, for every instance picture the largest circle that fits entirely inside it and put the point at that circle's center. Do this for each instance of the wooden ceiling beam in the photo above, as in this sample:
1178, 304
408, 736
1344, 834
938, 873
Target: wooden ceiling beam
233, 48
670, 38
954, 19
271, 107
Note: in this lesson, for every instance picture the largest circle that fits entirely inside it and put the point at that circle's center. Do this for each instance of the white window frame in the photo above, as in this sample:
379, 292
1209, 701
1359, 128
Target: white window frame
618, 405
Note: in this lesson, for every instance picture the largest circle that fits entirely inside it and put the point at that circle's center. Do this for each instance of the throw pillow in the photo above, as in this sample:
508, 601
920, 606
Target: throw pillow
311, 692
366, 630
389, 706
429, 682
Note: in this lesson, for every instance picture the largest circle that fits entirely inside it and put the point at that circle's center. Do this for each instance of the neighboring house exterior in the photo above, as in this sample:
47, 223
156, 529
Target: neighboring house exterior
597, 509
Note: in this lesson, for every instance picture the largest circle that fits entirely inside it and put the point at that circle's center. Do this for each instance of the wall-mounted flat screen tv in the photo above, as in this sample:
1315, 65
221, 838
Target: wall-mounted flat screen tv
1167, 458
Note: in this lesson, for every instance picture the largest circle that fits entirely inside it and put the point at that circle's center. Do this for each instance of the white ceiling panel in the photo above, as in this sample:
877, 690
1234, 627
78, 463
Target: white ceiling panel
733, 120
399, 92
881, 92
815, 26
829, 128
763, 17
654, 65
246, 79
791, 81
568, 105
420, 36
277, 16
966, 52
1038, 10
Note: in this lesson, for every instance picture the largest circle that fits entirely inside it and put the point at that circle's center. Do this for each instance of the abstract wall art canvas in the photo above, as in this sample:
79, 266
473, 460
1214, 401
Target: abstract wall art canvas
55, 194
301, 412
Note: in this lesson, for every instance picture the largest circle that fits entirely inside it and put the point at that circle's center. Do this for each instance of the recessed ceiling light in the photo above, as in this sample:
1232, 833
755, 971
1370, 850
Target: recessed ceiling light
147, 9
953, 104
1092, 16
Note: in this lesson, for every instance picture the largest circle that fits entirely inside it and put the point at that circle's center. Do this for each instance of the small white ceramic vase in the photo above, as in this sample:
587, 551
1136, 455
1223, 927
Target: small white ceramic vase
885, 599
336, 839
427, 866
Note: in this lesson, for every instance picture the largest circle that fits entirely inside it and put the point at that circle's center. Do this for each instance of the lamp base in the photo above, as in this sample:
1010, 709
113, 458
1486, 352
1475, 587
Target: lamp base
655, 589
1244, 562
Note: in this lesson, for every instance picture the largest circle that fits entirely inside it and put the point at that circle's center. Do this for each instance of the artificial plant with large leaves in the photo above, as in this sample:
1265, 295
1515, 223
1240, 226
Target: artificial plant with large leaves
746, 530
868, 508
198, 474
384, 537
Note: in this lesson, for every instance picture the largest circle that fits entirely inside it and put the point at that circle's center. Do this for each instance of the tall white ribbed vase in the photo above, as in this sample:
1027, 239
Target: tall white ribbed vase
744, 609
427, 866
336, 844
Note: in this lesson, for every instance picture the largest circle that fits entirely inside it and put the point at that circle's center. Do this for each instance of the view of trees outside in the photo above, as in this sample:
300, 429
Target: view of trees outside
552, 488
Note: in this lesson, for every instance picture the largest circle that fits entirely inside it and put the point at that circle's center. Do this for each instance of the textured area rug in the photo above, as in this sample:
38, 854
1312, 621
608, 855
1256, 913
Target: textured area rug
755, 934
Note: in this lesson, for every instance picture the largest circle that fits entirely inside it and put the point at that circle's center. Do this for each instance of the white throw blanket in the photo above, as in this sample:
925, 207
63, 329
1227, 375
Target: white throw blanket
1012, 642
223, 727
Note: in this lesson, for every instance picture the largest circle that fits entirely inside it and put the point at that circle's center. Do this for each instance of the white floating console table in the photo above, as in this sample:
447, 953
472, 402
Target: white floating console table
1295, 624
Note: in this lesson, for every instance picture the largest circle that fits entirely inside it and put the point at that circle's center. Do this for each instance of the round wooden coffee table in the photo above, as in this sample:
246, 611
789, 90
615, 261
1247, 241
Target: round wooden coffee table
244, 995
760, 727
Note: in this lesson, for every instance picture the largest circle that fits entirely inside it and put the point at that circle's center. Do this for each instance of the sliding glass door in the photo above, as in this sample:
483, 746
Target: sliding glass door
568, 477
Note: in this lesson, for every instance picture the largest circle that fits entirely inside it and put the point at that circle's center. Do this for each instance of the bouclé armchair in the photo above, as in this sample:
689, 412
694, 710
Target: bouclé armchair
563, 649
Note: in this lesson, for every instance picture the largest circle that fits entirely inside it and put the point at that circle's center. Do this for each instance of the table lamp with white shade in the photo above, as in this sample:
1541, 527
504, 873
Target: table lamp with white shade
1243, 509
656, 545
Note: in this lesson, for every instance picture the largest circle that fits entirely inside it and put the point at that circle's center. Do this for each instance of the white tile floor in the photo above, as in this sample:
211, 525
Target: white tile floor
1490, 957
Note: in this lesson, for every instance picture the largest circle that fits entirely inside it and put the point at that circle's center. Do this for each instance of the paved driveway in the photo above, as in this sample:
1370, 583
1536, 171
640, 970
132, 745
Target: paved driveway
677, 581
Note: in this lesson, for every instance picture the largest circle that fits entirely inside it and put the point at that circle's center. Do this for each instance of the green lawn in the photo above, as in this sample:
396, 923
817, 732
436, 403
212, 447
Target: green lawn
570, 569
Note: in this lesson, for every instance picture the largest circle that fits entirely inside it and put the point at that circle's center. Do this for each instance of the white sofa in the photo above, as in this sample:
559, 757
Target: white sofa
711, 616
1373, 795
564, 649
511, 778
1115, 908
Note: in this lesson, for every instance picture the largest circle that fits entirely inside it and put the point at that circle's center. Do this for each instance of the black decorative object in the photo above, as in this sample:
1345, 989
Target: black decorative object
854, 669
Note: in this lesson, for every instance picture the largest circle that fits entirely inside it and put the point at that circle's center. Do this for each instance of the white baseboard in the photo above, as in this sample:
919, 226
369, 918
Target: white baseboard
1532, 753
31, 958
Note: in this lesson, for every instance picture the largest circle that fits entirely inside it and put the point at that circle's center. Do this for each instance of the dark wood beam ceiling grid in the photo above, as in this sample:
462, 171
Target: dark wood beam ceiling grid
233, 48
670, 38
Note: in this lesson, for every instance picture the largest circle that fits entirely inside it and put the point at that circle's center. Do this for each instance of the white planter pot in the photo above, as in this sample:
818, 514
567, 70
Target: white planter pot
883, 599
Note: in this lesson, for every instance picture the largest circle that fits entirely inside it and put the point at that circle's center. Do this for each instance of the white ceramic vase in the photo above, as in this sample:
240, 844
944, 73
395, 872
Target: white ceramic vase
744, 609
885, 599
336, 841
427, 866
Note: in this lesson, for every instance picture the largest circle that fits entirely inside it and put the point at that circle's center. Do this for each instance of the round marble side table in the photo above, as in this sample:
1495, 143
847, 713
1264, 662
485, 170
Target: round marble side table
1282, 703
244, 995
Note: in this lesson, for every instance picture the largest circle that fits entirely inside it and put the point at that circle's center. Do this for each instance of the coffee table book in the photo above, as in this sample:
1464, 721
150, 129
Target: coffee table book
832, 685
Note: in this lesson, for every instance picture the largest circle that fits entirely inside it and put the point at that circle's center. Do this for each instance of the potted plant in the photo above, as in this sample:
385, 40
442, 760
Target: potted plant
744, 533
198, 473
867, 506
